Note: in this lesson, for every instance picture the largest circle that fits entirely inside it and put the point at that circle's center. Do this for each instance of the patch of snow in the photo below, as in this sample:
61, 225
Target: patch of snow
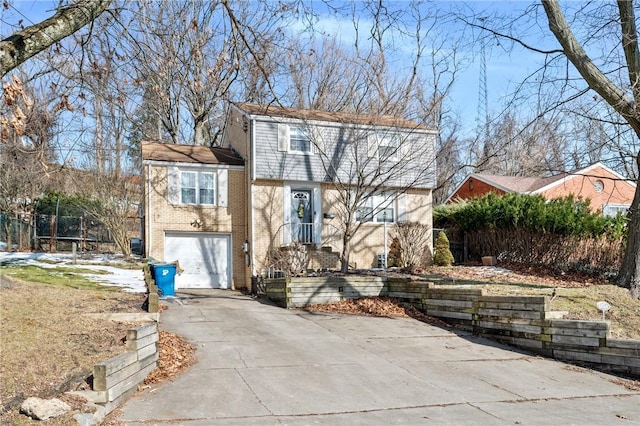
106, 266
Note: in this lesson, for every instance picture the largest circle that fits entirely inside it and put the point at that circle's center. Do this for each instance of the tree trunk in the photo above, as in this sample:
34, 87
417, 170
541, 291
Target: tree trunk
344, 256
627, 106
629, 274
26, 43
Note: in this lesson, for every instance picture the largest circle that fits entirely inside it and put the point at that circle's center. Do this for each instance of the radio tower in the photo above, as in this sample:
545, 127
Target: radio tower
483, 102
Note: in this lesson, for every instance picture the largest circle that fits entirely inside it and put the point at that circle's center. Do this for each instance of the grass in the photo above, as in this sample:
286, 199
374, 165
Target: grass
47, 343
59, 276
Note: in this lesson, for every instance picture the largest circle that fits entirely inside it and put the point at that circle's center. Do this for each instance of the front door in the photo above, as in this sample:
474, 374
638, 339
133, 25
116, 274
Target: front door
302, 216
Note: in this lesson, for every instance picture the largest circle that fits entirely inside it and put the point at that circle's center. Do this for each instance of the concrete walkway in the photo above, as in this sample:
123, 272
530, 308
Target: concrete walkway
263, 365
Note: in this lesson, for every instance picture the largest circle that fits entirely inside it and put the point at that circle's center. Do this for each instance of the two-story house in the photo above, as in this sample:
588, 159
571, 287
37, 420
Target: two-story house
288, 178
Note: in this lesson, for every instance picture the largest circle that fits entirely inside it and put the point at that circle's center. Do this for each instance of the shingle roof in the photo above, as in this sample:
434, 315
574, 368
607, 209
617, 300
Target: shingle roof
339, 117
517, 183
156, 151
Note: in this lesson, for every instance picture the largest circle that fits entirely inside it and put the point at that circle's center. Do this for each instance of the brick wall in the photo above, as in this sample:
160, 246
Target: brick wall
165, 217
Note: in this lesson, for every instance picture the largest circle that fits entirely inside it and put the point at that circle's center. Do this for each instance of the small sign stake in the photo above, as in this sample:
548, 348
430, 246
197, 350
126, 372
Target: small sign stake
604, 307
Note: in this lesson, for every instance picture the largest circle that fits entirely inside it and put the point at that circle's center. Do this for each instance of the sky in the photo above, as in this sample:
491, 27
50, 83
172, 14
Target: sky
504, 69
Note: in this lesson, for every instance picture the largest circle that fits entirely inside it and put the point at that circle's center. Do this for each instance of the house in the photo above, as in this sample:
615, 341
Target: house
280, 187
608, 191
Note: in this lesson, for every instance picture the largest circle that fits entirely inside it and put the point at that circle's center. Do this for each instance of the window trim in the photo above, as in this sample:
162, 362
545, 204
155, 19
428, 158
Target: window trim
379, 207
198, 187
303, 134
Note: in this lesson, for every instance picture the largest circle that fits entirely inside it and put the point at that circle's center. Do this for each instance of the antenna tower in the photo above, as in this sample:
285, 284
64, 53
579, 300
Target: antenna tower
483, 102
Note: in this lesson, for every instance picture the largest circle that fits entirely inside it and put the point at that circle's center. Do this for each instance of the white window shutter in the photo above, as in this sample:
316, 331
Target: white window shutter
402, 208
317, 140
405, 143
372, 145
173, 185
223, 188
283, 137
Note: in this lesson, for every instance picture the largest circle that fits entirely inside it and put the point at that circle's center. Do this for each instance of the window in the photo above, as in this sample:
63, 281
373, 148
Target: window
197, 187
384, 145
388, 145
615, 209
299, 139
598, 185
377, 209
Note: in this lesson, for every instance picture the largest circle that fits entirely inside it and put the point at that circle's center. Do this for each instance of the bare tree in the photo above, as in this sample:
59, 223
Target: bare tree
26, 156
30, 41
623, 97
594, 75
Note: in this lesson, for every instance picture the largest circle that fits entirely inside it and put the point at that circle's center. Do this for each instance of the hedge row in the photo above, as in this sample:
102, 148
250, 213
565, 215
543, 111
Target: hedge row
567, 216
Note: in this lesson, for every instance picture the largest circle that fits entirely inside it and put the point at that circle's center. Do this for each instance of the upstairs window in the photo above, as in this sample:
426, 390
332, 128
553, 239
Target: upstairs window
388, 145
299, 139
295, 139
384, 145
197, 187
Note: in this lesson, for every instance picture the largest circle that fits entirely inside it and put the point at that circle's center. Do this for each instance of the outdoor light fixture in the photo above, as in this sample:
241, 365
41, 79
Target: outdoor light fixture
328, 215
196, 223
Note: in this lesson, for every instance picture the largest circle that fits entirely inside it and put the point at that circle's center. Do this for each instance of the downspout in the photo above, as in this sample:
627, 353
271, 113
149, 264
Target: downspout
252, 178
148, 243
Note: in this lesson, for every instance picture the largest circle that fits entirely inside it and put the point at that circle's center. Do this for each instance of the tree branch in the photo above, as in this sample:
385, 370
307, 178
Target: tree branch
24, 44
595, 78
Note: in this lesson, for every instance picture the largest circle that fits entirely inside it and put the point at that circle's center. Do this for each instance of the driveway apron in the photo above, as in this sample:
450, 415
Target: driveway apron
259, 364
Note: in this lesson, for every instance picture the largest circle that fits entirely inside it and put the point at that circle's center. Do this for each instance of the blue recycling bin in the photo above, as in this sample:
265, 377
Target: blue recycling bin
164, 274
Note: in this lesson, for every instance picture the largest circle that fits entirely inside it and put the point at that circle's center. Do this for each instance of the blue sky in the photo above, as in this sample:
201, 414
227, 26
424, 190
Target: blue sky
504, 70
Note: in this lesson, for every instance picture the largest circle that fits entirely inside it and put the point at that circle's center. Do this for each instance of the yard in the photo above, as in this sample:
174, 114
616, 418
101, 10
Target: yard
50, 346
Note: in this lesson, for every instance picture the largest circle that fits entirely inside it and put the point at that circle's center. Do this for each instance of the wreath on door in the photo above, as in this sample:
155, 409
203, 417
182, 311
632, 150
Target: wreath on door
300, 210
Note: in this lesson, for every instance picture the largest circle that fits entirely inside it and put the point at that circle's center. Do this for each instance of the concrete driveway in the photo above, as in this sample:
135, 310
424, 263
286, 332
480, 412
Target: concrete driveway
263, 365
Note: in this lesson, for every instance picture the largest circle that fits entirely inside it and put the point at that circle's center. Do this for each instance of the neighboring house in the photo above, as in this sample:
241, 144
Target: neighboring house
285, 172
608, 192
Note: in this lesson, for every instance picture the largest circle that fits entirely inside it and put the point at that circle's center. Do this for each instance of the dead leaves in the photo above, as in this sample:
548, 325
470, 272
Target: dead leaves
375, 306
176, 354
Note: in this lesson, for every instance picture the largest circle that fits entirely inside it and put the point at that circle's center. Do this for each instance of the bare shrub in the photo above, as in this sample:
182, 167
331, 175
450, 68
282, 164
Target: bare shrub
560, 252
291, 261
414, 239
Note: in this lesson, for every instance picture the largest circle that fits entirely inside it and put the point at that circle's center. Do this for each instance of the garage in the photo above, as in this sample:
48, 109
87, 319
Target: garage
204, 257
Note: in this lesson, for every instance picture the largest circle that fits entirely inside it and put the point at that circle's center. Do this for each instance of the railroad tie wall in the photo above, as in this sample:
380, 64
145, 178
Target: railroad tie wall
303, 291
117, 377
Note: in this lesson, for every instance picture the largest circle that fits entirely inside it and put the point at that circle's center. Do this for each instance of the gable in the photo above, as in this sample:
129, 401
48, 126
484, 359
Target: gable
599, 184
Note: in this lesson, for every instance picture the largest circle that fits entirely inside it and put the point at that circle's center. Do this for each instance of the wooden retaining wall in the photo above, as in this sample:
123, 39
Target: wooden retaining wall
115, 379
303, 291
523, 321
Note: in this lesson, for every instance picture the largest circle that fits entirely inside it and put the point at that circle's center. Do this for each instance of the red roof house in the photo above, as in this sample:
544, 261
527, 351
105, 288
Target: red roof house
609, 192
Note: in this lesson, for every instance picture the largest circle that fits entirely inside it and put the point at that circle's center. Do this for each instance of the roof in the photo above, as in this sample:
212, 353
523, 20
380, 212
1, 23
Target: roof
156, 151
517, 183
537, 185
339, 117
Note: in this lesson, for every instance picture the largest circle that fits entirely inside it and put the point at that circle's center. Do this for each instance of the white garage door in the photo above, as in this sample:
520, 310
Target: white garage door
204, 257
